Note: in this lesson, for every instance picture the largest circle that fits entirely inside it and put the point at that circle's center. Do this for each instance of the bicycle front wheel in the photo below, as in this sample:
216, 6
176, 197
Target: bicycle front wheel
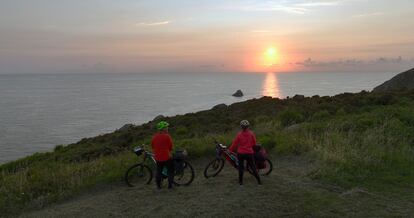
213, 168
185, 176
138, 174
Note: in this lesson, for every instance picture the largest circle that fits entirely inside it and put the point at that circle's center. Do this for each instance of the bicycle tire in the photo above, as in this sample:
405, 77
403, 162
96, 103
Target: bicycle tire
134, 176
217, 165
266, 171
188, 168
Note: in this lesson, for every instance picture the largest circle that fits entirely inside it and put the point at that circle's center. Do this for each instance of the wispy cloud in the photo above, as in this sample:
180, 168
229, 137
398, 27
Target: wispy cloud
368, 15
318, 4
353, 62
299, 7
261, 31
154, 23
288, 9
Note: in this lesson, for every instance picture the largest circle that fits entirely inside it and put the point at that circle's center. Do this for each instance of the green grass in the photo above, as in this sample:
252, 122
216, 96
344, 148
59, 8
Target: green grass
46, 182
361, 140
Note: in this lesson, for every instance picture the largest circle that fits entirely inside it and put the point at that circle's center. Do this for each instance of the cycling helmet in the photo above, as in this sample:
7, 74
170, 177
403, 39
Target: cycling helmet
244, 123
162, 125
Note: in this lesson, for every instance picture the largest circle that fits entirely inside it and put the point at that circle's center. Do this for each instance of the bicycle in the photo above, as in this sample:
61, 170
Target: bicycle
215, 166
141, 173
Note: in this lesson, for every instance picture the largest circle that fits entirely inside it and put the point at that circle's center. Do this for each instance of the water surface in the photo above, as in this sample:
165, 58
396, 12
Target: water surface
38, 112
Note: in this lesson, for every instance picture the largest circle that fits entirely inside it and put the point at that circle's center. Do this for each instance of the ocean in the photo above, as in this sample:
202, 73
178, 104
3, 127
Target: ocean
38, 112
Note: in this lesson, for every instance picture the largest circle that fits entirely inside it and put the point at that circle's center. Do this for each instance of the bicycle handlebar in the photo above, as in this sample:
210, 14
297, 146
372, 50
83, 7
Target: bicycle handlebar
140, 149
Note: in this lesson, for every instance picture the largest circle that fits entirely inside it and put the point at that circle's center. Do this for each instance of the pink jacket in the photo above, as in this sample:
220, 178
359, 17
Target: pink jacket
244, 141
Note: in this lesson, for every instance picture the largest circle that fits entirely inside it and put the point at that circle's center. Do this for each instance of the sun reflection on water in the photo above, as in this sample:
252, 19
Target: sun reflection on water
271, 86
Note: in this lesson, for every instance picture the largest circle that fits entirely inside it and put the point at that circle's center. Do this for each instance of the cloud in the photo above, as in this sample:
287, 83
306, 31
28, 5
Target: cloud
155, 23
317, 4
212, 66
272, 7
353, 62
381, 64
368, 15
261, 31
311, 63
389, 60
298, 7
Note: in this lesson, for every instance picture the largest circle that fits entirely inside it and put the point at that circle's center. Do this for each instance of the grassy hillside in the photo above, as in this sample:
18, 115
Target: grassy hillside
360, 140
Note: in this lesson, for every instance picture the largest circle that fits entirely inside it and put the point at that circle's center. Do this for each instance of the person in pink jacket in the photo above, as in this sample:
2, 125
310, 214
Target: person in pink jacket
243, 144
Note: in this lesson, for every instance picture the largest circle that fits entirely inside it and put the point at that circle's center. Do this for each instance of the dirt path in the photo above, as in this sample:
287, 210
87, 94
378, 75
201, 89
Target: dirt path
286, 192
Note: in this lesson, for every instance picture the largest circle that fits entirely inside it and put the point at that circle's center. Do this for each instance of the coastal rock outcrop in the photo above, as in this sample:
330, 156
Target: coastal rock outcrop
401, 81
238, 93
126, 127
158, 118
220, 107
299, 97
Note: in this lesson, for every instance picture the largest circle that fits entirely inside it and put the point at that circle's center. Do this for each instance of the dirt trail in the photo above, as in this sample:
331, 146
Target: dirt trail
286, 192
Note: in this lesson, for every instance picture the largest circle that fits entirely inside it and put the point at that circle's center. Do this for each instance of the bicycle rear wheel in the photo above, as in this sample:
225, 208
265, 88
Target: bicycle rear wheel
214, 168
138, 174
185, 176
268, 168
263, 171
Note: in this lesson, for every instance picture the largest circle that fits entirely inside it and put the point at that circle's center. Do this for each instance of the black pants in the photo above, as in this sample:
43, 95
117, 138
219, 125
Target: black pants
170, 172
250, 162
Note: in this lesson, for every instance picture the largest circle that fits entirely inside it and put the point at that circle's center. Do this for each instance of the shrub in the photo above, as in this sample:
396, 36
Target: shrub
290, 116
181, 130
320, 115
268, 141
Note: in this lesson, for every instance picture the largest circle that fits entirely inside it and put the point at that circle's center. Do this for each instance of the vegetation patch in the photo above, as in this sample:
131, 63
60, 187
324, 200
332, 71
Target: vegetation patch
361, 140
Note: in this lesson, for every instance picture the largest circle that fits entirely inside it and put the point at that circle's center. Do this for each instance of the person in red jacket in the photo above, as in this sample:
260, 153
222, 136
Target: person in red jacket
162, 146
244, 142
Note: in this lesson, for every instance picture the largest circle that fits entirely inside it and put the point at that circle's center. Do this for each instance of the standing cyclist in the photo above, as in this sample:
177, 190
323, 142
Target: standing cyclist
244, 142
162, 146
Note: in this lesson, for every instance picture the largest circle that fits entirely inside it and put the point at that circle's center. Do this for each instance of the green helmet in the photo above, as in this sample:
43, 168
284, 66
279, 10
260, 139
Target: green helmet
162, 125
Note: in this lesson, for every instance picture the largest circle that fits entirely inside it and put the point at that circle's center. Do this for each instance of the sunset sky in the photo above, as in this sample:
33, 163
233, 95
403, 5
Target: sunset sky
89, 36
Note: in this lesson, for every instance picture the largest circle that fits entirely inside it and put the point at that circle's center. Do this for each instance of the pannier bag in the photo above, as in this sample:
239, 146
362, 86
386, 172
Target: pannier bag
260, 155
178, 158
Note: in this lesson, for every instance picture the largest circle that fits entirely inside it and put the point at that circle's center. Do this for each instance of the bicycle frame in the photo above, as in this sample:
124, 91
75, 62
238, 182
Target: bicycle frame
222, 151
147, 156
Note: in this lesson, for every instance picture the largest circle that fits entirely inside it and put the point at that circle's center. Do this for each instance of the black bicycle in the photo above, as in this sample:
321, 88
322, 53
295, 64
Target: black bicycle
141, 173
222, 153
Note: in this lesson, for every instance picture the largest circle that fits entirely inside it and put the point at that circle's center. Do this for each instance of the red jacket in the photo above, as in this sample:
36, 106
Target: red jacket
161, 146
244, 141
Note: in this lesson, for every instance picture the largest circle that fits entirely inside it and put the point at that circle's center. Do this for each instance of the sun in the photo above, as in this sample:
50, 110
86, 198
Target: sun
270, 52
271, 57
